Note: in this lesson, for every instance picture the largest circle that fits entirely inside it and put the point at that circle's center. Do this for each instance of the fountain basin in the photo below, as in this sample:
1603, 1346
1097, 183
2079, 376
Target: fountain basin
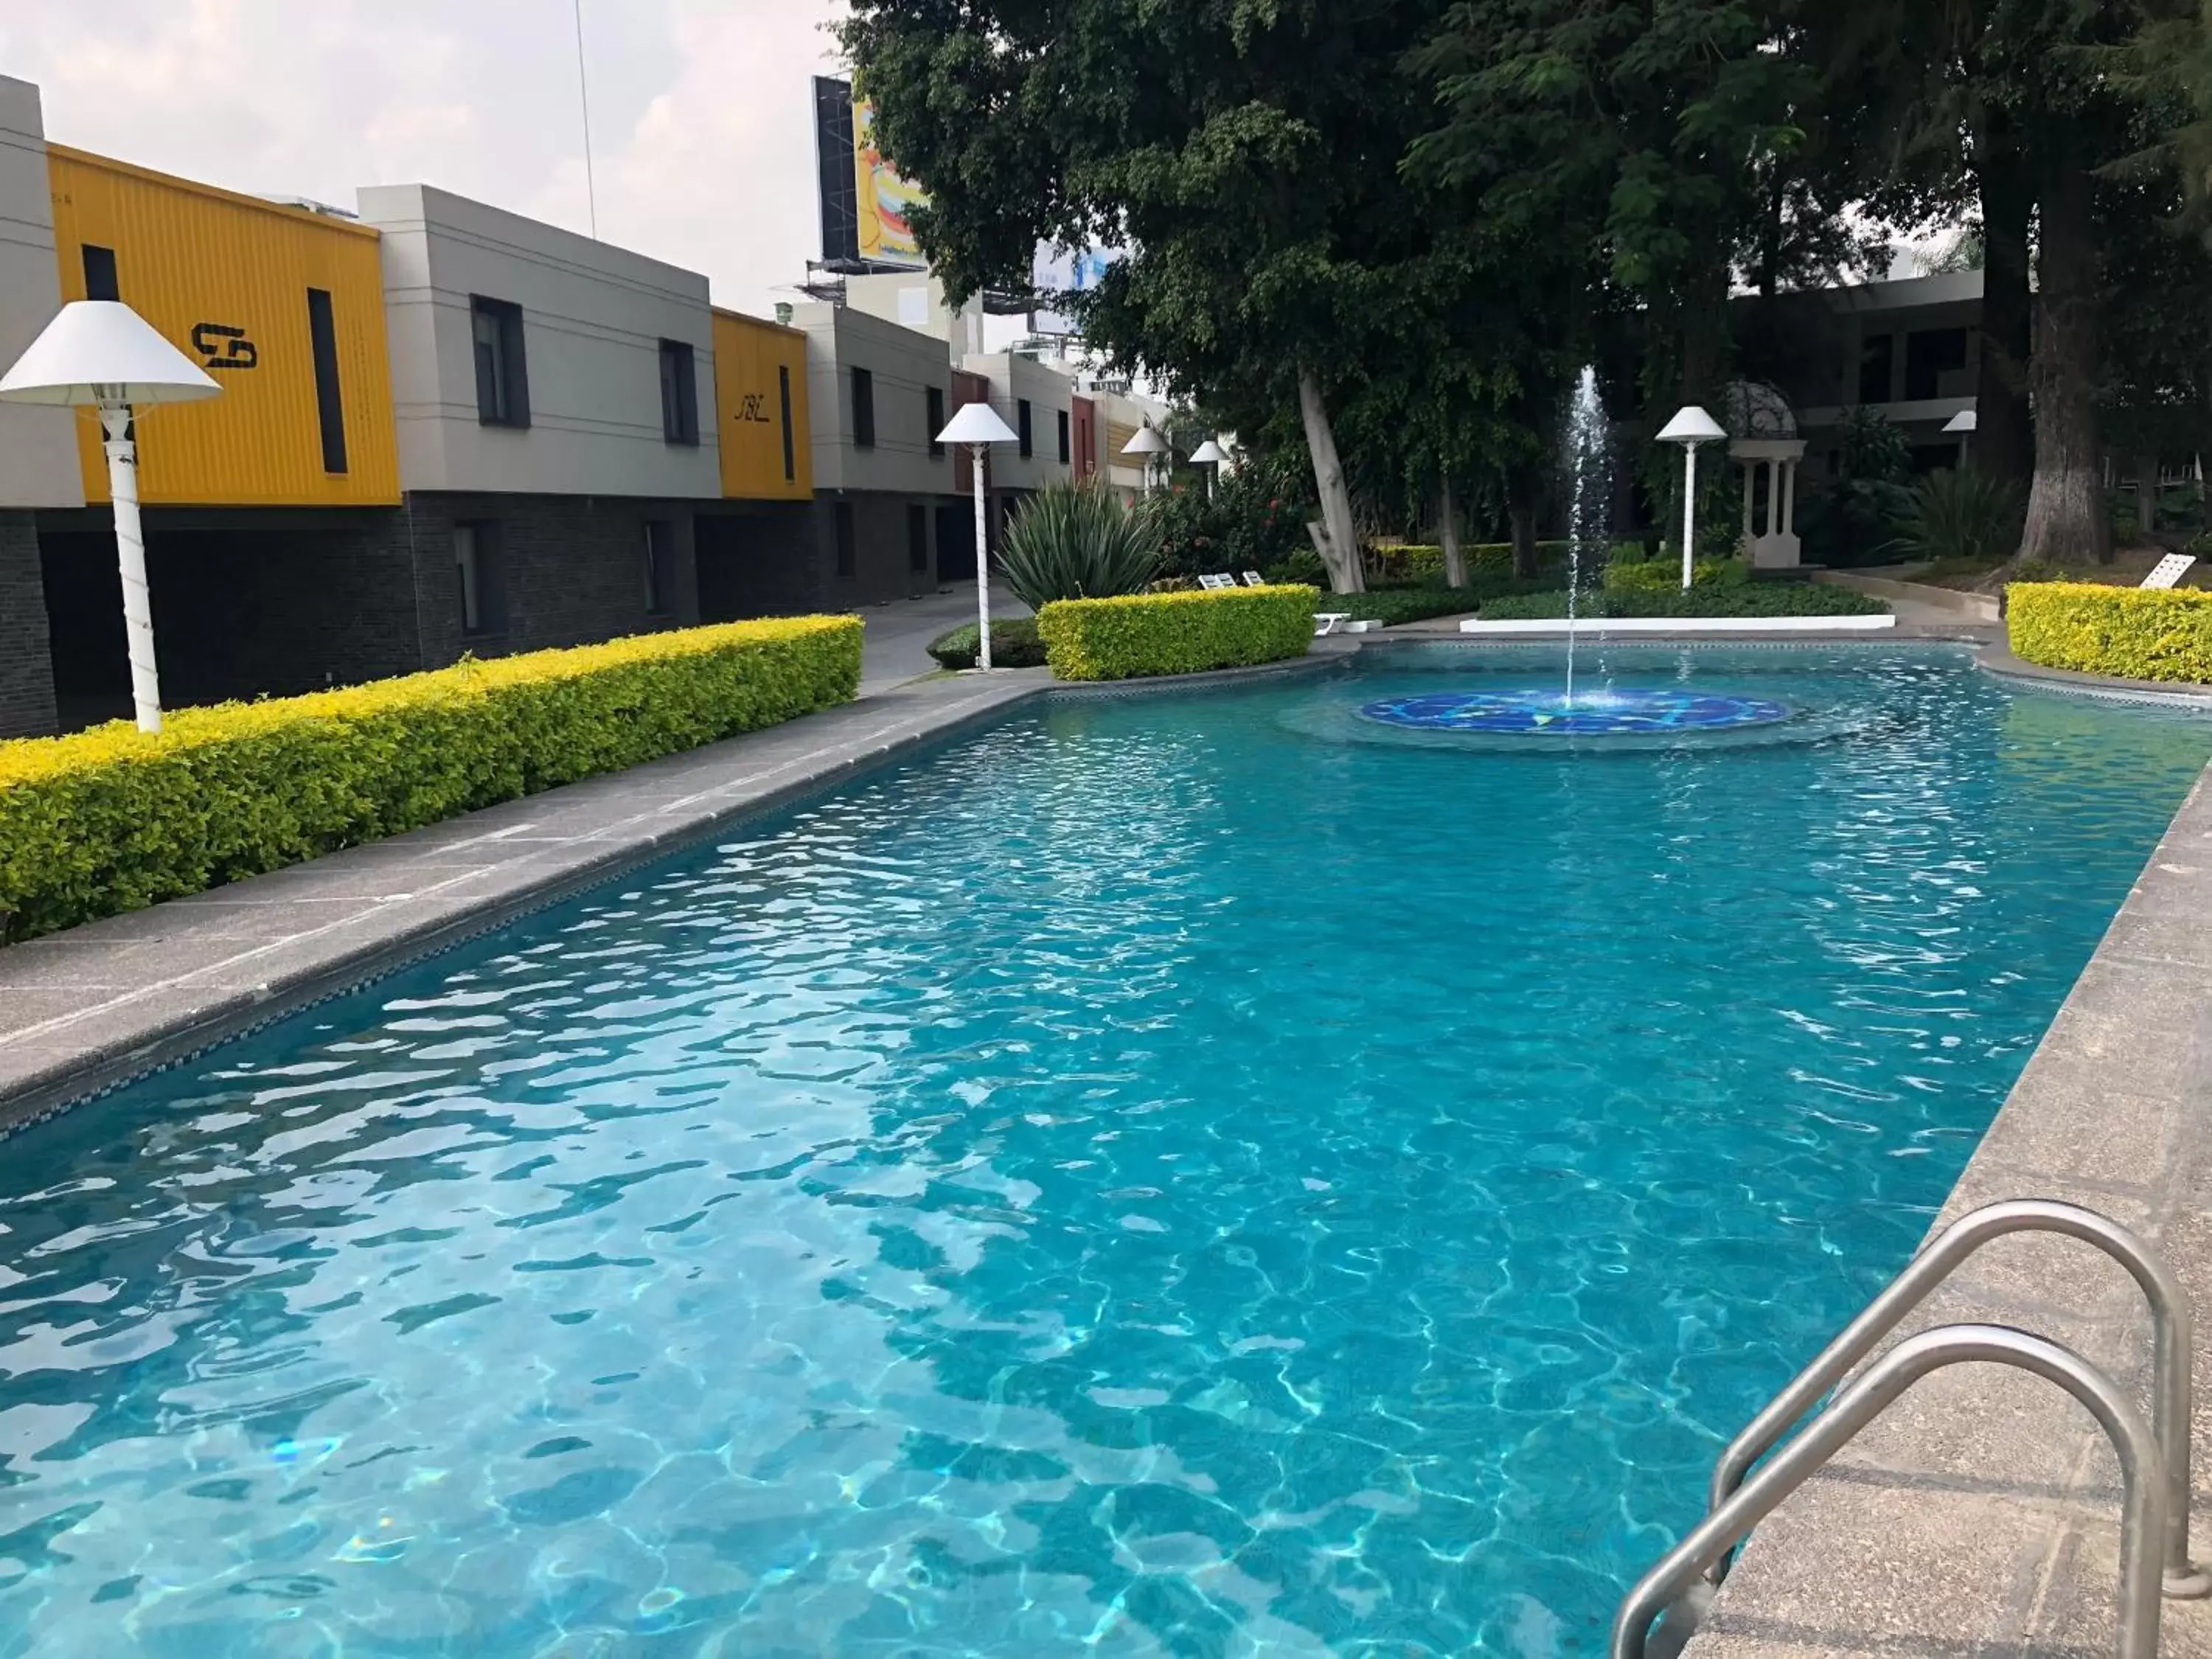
1588, 627
1547, 711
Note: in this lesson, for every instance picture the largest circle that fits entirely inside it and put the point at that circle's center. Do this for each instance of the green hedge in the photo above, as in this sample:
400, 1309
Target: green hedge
1149, 633
1014, 644
2130, 633
111, 819
1756, 599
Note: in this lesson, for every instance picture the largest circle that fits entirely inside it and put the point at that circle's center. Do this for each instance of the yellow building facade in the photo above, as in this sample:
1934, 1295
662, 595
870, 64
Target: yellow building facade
761, 410
283, 306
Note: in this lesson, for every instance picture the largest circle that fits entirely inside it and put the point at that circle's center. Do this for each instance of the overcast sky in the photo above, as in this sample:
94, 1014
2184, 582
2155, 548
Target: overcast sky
702, 115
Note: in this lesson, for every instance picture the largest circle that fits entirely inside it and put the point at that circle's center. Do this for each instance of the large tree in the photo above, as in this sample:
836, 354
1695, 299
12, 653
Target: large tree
1242, 154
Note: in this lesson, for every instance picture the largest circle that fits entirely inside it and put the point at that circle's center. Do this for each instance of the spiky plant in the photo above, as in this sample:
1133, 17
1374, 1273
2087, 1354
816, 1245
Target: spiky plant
1076, 541
1964, 515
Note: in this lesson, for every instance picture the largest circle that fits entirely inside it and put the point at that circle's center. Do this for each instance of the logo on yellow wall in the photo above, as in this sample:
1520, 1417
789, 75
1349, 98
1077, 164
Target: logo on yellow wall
753, 406
221, 347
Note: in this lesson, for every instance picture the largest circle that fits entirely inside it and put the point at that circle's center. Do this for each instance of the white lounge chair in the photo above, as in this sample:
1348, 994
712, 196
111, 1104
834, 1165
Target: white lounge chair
2170, 569
1224, 579
1329, 622
1254, 578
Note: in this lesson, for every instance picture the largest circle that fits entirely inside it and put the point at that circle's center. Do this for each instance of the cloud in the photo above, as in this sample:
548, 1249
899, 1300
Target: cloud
702, 109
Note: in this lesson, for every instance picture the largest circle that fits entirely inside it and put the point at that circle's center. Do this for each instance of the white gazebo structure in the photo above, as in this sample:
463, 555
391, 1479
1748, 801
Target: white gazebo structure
102, 354
1764, 438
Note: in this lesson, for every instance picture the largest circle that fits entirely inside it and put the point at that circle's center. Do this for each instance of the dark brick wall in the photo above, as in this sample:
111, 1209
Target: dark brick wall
272, 603
573, 569
776, 559
27, 678
760, 561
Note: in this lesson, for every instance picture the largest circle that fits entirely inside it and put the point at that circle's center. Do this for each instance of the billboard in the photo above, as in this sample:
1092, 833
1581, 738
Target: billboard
886, 201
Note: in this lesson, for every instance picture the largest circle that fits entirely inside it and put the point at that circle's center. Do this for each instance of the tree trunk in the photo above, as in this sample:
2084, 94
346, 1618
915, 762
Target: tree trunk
2146, 496
1455, 555
2004, 437
2066, 519
1335, 535
1522, 510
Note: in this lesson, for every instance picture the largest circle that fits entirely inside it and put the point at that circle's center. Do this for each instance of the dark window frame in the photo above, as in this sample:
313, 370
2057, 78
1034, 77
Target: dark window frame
864, 409
846, 533
503, 381
330, 398
1877, 368
790, 449
658, 555
679, 393
934, 413
1930, 353
490, 572
100, 281
1026, 428
1067, 438
917, 538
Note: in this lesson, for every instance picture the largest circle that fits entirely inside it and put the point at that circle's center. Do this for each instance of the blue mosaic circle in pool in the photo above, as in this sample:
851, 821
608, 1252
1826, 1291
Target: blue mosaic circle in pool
1592, 714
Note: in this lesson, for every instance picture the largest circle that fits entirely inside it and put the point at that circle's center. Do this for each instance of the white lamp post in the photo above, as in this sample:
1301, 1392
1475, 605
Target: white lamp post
102, 354
1146, 444
1209, 455
1962, 426
978, 426
1691, 426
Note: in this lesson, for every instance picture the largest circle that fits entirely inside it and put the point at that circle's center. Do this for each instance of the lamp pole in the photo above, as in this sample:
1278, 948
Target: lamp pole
131, 560
102, 354
978, 426
1691, 426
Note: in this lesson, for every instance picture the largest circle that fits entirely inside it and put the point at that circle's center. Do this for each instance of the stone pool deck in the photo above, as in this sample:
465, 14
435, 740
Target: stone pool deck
1979, 1517
1981, 1514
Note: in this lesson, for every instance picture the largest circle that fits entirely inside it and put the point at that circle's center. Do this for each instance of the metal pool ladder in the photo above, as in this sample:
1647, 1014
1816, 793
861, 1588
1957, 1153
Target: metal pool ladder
2154, 1456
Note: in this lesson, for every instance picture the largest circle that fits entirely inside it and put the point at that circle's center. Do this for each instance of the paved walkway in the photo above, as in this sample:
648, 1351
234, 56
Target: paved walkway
899, 633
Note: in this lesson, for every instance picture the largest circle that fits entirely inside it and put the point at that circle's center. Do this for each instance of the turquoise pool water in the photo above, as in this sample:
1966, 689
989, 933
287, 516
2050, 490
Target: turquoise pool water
1194, 1175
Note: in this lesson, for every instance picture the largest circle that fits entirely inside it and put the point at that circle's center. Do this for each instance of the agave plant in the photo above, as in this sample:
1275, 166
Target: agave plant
1963, 516
1076, 541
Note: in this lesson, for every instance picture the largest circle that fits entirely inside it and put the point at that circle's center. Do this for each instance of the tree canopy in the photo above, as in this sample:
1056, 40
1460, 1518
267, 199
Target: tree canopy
1398, 227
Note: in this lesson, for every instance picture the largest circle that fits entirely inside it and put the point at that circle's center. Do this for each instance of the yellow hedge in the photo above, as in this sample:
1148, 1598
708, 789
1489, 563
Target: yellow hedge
2130, 632
111, 819
1187, 633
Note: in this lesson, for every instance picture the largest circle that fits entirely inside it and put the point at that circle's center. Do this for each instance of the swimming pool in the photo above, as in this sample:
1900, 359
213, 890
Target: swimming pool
1190, 1174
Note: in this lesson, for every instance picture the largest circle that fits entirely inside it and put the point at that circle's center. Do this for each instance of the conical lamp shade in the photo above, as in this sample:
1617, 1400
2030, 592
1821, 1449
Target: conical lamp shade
98, 350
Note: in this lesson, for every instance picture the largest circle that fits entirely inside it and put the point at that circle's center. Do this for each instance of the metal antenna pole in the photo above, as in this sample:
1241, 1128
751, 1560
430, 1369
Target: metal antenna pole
584, 97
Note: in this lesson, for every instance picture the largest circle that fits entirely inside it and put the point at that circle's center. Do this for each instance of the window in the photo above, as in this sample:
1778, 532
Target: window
1067, 448
659, 554
679, 393
847, 554
100, 273
502, 381
1026, 428
917, 539
936, 415
1930, 355
864, 409
790, 460
329, 407
478, 567
1877, 357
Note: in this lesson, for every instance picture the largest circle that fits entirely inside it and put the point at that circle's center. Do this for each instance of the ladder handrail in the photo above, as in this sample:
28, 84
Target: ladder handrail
2173, 1342
2143, 1504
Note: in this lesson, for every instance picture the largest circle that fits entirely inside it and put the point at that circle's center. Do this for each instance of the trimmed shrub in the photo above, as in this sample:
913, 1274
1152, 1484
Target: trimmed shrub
1014, 644
1151, 634
1665, 576
2128, 632
113, 819
1752, 599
